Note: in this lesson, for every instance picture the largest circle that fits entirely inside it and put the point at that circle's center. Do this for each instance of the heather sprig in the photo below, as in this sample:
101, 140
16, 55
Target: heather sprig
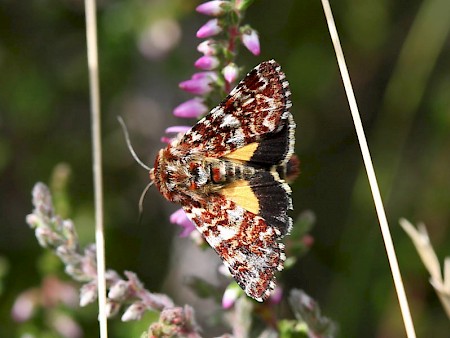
223, 33
51, 299
309, 316
59, 235
218, 69
175, 322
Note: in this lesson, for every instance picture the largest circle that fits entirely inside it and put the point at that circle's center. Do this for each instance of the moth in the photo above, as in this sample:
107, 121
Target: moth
229, 174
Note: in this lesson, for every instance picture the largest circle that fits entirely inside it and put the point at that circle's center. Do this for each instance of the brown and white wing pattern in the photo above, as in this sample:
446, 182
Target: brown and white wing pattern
244, 241
256, 108
228, 172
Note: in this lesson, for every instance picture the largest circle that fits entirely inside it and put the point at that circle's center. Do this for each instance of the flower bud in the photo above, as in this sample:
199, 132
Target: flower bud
88, 294
118, 290
214, 8
229, 296
180, 218
199, 85
65, 326
230, 72
134, 312
210, 28
33, 220
111, 308
207, 47
177, 129
46, 237
276, 296
192, 108
174, 130
207, 62
251, 41
25, 305
211, 76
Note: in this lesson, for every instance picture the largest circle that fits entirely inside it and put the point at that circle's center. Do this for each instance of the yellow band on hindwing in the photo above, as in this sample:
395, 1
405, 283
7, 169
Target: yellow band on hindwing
241, 193
244, 153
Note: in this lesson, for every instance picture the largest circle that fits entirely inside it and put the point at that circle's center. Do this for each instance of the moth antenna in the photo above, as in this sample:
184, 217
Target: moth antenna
141, 200
130, 147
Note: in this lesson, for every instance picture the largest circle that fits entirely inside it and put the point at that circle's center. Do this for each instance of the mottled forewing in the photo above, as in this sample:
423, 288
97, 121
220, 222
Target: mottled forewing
247, 245
253, 110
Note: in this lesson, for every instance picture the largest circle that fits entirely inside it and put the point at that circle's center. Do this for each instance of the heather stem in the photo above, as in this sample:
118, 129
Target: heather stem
233, 33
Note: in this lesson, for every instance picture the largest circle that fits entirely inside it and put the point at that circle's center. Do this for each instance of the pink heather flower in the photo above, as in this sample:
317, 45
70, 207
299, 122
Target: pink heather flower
230, 72
213, 8
276, 296
200, 83
229, 297
192, 108
251, 41
177, 129
197, 87
211, 76
88, 293
118, 290
134, 312
174, 130
210, 28
66, 326
112, 308
207, 62
25, 305
180, 218
207, 47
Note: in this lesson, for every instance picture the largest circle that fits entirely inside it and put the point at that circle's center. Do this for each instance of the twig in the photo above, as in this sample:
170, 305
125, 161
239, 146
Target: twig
92, 54
370, 173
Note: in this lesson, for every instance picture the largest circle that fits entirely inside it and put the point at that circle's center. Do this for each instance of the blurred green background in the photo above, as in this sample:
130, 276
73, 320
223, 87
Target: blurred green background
398, 54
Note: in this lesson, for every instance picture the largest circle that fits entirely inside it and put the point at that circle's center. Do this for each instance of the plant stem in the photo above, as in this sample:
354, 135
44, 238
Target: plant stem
92, 54
384, 226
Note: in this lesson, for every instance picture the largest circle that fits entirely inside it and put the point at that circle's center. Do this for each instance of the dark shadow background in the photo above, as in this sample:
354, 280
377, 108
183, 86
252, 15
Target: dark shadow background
398, 54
